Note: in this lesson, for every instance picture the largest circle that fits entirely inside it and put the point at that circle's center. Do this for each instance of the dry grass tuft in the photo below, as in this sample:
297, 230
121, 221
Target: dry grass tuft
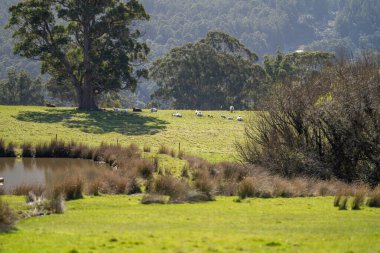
149, 199
7, 217
374, 199
163, 150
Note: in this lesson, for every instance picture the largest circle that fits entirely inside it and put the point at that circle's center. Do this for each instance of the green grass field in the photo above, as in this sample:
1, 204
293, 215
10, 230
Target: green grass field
121, 224
212, 139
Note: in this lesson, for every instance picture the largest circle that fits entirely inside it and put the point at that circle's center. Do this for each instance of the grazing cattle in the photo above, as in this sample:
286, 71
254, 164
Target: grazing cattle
153, 110
239, 118
198, 113
210, 116
230, 118
137, 109
50, 105
232, 109
223, 116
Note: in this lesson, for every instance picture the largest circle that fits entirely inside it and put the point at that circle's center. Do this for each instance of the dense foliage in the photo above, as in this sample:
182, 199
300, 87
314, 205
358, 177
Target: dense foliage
328, 126
263, 26
213, 73
20, 89
88, 45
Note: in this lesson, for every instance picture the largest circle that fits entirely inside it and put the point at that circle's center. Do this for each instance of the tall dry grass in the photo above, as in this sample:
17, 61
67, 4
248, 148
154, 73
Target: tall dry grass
7, 217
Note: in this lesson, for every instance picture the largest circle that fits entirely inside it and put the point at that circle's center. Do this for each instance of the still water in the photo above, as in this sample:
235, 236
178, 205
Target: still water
46, 171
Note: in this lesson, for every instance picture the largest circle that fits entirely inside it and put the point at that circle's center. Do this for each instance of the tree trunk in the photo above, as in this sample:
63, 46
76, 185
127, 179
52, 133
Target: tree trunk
86, 99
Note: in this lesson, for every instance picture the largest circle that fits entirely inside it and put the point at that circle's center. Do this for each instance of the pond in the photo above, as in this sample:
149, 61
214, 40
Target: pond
46, 171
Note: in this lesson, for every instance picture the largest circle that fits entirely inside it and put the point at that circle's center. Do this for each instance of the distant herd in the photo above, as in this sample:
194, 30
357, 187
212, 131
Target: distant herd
179, 115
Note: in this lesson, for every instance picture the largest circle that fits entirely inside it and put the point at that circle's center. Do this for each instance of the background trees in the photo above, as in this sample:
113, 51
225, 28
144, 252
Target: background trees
21, 89
213, 73
263, 26
87, 45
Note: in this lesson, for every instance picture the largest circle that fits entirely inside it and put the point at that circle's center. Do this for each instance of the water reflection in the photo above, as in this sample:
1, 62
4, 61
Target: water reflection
46, 171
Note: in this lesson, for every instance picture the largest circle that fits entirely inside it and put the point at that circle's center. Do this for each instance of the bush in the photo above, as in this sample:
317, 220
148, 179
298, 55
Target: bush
164, 150
10, 150
146, 149
358, 200
2, 148
25, 189
246, 188
170, 186
343, 203
148, 199
71, 188
27, 150
7, 217
374, 200
325, 128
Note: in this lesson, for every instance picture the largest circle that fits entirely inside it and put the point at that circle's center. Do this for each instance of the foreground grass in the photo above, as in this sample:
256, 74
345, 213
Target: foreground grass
121, 224
212, 139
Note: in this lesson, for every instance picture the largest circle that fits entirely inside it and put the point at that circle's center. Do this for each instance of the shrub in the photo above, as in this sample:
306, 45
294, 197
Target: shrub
59, 149
148, 199
145, 169
374, 200
343, 203
246, 188
27, 150
358, 200
164, 150
326, 128
337, 200
2, 148
43, 151
10, 150
56, 201
25, 189
146, 149
71, 188
173, 153
175, 188
7, 217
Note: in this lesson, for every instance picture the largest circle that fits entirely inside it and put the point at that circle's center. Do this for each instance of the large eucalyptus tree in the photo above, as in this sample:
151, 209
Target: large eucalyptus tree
90, 45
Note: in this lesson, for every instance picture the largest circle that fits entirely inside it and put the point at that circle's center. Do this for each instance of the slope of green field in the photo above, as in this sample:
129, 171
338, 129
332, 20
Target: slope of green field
121, 224
211, 138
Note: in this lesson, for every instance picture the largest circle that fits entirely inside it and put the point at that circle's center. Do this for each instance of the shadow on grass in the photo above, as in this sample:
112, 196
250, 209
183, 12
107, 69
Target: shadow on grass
97, 122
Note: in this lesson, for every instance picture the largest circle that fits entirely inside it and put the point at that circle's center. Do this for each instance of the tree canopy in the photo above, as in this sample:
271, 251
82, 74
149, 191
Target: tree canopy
89, 45
215, 72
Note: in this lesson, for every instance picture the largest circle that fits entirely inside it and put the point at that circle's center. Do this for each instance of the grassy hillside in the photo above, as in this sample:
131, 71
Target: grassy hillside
211, 138
121, 224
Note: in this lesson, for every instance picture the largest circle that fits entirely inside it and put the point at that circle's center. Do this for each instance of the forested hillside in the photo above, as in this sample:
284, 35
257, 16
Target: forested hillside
264, 26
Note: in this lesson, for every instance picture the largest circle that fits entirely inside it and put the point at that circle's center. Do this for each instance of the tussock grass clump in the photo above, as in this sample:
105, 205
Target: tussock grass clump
2, 148
25, 189
175, 188
358, 200
27, 150
163, 150
343, 202
56, 201
71, 188
246, 188
149, 199
374, 199
43, 151
7, 150
10, 151
7, 217
146, 149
